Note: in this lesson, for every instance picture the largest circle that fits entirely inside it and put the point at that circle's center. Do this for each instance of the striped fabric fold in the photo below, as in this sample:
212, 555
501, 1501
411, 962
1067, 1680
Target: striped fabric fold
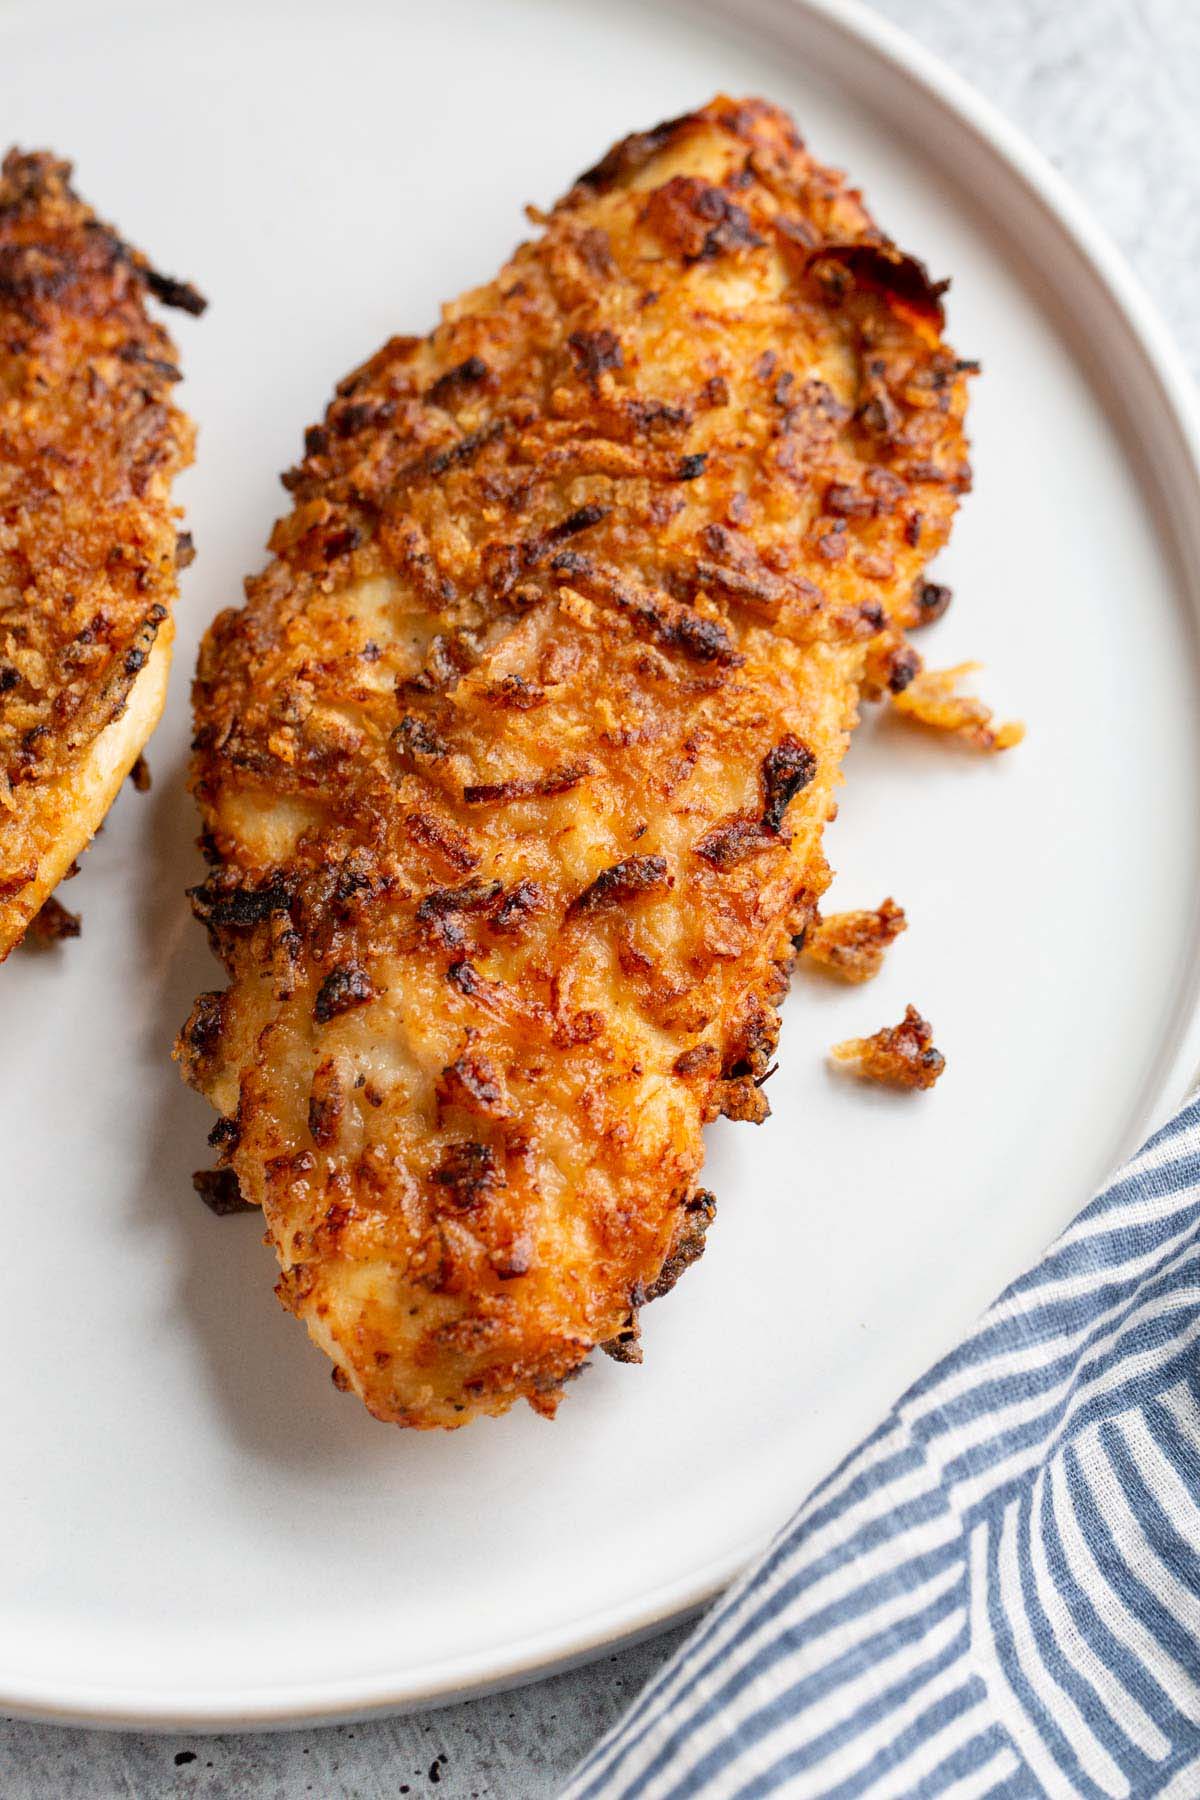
998, 1592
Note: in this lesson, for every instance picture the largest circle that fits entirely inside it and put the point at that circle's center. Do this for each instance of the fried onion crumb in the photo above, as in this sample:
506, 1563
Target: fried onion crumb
51, 923
852, 945
900, 1056
220, 1192
930, 699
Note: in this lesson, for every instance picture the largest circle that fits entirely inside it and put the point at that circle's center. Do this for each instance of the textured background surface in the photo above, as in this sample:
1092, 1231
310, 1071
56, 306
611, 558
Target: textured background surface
1107, 89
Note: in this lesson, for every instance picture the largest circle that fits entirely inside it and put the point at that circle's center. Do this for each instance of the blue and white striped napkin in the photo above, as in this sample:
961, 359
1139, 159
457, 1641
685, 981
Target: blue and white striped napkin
998, 1593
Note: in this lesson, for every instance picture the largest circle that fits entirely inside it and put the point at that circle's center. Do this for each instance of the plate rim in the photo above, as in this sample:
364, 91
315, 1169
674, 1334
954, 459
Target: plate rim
854, 28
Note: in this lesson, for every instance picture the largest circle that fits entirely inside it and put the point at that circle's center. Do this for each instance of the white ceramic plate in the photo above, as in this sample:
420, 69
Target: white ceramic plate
195, 1527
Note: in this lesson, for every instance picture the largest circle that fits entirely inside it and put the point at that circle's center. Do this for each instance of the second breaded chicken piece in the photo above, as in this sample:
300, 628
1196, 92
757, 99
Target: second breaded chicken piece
89, 445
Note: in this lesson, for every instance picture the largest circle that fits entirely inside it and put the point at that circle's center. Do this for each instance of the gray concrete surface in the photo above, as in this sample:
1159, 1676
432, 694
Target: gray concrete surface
1107, 88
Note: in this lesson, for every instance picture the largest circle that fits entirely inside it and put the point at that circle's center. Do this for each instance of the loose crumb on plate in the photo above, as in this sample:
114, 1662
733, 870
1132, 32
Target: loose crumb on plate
53, 922
930, 699
901, 1056
219, 1190
852, 945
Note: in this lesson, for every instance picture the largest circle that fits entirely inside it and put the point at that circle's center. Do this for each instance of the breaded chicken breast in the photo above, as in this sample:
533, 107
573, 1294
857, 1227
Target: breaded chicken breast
89, 444
515, 765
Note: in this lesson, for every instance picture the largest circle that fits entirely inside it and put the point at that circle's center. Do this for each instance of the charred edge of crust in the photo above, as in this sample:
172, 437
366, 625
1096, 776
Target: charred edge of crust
687, 1247
881, 268
225, 908
757, 123
219, 1190
632, 153
35, 178
786, 771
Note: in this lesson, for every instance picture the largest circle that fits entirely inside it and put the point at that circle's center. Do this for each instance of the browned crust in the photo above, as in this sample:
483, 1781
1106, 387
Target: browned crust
535, 719
89, 443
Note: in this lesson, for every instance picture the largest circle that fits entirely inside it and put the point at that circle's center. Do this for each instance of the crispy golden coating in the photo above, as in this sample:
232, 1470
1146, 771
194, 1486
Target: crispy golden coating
89, 444
852, 945
900, 1056
515, 765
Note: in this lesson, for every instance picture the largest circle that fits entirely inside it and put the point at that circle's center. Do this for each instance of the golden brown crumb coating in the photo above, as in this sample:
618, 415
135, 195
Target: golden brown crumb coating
515, 765
89, 444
